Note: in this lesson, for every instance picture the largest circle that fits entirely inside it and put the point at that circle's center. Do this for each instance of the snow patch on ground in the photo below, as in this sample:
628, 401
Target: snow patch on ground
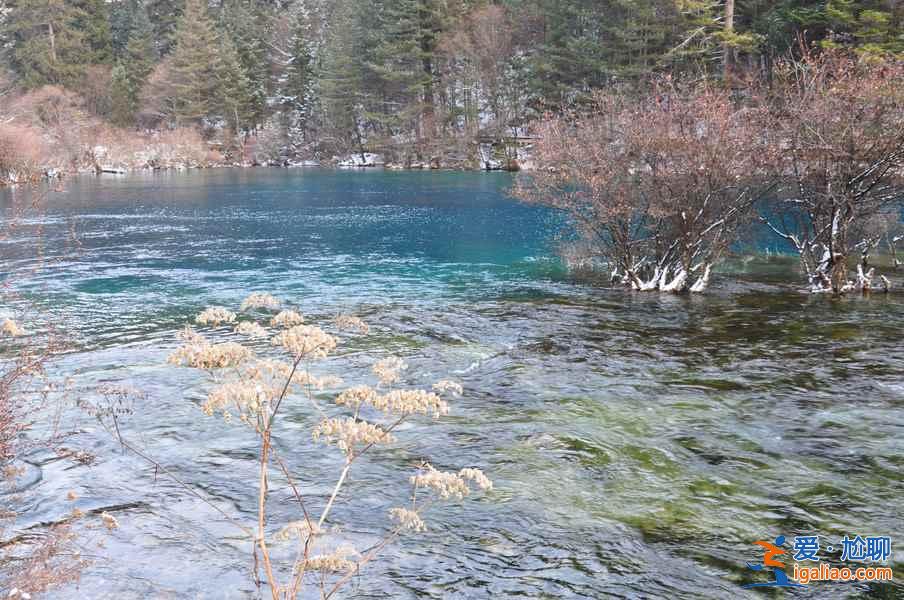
360, 160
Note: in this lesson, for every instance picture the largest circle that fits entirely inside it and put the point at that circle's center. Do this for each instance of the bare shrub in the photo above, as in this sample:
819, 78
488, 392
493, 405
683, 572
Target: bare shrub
94, 88
180, 146
41, 557
43, 561
22, 154
837, 120
477, 54
657, 186
63, 123
54, 129
270, 144
158, 96
176, 148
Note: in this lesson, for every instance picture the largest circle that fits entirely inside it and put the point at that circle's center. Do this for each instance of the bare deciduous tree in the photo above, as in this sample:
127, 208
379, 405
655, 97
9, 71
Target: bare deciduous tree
657, 186
839, 123
477, 55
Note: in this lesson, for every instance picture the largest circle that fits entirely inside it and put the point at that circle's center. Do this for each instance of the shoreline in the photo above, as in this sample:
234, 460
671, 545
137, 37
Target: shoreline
54, 174
184, 149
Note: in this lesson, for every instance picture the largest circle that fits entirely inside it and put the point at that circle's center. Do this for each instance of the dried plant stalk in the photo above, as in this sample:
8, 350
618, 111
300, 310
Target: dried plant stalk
251, 389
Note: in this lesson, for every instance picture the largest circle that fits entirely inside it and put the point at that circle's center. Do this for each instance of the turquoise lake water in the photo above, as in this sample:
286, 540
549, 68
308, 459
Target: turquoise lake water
639, 444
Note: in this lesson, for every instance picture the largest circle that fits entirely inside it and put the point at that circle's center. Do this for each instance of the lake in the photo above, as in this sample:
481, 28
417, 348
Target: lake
639, 443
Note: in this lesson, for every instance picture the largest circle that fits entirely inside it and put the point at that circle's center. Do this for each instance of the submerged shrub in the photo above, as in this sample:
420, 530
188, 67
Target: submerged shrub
657, 187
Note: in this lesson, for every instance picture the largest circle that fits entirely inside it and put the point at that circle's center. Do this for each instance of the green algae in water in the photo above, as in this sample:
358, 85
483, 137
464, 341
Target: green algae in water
609, 420
588, 454
723, 385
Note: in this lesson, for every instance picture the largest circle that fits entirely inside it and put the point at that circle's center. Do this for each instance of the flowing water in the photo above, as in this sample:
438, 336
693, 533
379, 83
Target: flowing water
639, 444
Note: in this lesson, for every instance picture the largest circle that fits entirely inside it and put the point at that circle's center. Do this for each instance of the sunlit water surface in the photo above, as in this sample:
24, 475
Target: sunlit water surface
639, 444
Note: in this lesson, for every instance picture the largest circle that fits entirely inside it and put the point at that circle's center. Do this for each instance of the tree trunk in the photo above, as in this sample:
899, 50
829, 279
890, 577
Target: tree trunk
427, 42
429, 112
727, 51
677, 284
53, 54
703, 281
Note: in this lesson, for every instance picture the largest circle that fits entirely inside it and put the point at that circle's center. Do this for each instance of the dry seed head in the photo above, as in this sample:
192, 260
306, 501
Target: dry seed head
247, 398
300, 530
450, 485
389, 370
336, 562
109, 521
277, 372
351, 323
306, 341
408, 519
251, 329
356, 396
346, 434
201, 354
446, 484
11, 328
261, 300
215, 316
478, 477
448, 386
409, 402
305, 379
267, 369
287, 318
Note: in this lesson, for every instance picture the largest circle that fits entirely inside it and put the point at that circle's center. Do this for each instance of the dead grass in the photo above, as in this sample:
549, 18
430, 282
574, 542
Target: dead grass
52, 129
22, 154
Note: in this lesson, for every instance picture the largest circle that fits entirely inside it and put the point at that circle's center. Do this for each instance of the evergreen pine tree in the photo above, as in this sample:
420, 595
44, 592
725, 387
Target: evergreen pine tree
47, 46
869, 25
405, 61
202, 78
121, 16
94, 24
246, 25
297, 89
133, 69
571, 57
122, 110
195, 65
164, 15
234, 98
342, 80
